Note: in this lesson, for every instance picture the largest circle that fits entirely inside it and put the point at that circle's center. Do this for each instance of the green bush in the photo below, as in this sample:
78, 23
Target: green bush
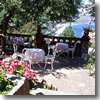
91, 64
5, 84
27, 29
68, 32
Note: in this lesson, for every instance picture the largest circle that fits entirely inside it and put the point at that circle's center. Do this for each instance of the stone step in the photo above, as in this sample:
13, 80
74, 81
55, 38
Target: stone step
40, 91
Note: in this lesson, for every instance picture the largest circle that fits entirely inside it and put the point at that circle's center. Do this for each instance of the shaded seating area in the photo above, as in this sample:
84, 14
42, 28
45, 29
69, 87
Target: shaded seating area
51, 50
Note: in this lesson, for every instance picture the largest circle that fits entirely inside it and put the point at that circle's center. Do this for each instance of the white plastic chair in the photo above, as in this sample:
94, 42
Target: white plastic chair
50, 57
49, 46
15, 47
28, 58
72, 50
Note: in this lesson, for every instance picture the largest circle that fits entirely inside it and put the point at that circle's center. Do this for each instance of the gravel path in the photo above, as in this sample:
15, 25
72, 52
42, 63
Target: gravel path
68, 77
72, 81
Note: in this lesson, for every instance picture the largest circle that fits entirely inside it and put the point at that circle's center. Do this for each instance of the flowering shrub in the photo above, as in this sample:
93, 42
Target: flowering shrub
91, 63
5, 84
85, 38
88, 8
46, 86
88, 29
15, 67
2, 77
12, 66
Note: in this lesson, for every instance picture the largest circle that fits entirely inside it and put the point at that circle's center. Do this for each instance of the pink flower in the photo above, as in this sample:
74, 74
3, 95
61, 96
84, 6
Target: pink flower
1, 63
21, 63
34, 76
89, 37
83, 38
10, 71
16, 62
27, 73
27, 70
45, 81
85, 6
88, 11
7, 64
54, 88
0, 67
78, 6
26, 65
13, 66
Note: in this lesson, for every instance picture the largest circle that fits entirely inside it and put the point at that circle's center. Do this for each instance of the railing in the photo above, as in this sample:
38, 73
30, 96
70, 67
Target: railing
69, 41
54, 40
10, 36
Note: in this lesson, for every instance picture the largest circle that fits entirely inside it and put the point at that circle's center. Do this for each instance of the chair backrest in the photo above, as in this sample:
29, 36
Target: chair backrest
24, 55
15, 47
75, 45
23, 51
54, 51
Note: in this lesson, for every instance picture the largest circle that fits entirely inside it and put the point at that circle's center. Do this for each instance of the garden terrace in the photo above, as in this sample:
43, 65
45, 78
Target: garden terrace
53, 40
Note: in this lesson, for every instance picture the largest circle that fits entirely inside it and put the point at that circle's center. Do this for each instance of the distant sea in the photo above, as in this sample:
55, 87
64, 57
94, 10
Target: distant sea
78, 29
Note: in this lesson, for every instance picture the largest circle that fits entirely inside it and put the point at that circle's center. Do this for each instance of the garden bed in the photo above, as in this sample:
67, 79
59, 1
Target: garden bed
22, 79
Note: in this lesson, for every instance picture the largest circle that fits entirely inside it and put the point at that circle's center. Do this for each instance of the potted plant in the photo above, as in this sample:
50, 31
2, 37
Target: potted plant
87, 30
12, 67
5, 84
85, 36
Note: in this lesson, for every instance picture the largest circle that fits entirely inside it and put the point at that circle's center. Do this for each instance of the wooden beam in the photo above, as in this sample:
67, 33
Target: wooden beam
4, 22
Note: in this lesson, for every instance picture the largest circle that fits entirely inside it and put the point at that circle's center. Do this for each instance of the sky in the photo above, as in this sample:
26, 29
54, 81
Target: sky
86, 1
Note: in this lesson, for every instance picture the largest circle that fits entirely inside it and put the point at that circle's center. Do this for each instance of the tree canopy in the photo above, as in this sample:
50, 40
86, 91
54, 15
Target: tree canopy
69, 32
19, 12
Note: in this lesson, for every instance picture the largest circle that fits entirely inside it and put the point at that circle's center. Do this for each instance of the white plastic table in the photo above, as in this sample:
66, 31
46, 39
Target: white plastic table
62, 46
38, 55
18, 40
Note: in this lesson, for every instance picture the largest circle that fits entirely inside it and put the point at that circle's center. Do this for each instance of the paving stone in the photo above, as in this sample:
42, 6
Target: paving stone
40, 91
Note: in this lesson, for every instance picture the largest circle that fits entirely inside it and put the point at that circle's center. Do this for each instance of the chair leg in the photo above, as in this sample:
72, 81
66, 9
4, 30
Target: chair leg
39, 65
30, 64
72, 54
45, 64
48, 51
68, 54
52, 64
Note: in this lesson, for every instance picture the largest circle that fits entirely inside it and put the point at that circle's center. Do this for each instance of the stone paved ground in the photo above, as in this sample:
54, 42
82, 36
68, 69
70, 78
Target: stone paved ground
69, 76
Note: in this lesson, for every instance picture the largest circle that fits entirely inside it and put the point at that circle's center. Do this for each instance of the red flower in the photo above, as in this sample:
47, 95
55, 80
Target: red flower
26, 65
13, 66
10, 71
34, 76
83, 38
27, 73
21, 63
89, 37
45, 81
54, 88
7, 64
16, 62
1, 63
78, 6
